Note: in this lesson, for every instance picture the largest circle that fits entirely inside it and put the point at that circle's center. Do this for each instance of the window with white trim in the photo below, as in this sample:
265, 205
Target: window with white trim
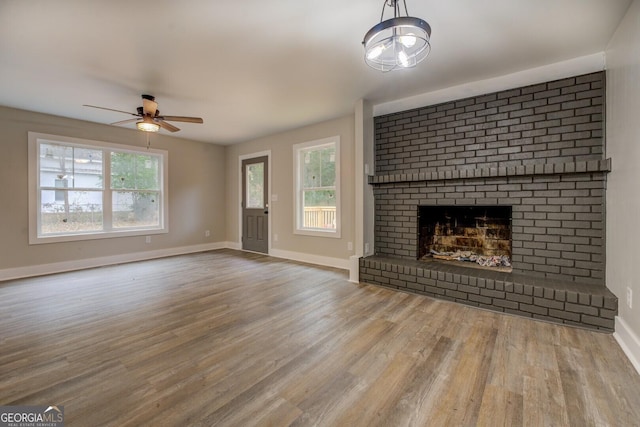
82, 189
317, 187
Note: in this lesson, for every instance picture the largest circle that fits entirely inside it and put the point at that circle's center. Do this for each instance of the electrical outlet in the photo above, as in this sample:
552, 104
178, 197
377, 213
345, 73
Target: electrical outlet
207, 233
148, 239
275, 237
349, 246
629, 297
366, 248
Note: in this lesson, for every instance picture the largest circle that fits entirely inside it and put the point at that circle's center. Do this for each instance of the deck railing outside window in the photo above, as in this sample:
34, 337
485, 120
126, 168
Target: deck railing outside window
320, 217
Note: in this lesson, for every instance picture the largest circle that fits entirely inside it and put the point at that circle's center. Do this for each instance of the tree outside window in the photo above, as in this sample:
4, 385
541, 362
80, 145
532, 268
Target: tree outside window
135, 190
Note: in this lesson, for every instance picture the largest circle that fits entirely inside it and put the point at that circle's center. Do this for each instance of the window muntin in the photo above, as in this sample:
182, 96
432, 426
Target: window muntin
90, 189
317, 200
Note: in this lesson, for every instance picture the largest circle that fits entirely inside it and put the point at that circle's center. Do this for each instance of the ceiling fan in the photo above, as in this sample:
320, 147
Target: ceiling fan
148, 116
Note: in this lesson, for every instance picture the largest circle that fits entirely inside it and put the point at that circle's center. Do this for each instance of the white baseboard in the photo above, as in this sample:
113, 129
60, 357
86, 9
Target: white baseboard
311, 259
60, 267
629, 342
300, 256
234, 245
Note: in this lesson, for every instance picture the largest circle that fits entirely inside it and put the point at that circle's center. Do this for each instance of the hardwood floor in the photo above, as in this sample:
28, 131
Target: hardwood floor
235, 339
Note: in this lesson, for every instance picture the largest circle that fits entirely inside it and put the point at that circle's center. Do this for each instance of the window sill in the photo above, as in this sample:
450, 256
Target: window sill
335, 234
38, 240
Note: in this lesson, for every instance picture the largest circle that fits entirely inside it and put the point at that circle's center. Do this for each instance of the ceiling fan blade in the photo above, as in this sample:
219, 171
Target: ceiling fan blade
110, 109
149, 107
124, 122
167, 126
182, 119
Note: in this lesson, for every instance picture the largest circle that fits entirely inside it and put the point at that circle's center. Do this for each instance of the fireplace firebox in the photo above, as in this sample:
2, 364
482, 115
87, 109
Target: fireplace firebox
478, 235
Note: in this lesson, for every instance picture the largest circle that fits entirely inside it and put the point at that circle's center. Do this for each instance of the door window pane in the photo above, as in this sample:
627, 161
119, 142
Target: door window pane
255, 185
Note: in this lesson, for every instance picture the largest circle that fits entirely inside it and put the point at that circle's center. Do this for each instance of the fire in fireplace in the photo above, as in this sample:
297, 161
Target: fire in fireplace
476, 234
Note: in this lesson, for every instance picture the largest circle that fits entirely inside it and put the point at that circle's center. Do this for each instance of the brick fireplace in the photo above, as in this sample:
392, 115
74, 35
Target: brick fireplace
537, 151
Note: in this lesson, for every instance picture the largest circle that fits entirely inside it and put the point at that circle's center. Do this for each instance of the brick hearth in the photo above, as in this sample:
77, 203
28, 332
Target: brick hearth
589, 306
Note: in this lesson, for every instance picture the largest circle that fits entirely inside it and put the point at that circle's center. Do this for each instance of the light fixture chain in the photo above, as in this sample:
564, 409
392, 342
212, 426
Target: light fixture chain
393, 4
382, 13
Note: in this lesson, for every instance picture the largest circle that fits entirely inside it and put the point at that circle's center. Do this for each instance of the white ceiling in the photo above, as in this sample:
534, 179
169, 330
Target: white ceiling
252, 68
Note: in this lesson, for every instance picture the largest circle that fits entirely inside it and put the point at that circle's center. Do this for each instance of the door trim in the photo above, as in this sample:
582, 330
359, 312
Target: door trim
240, 195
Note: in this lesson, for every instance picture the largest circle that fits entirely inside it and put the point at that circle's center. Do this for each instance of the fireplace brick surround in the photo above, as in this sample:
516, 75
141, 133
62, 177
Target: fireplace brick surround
538, 149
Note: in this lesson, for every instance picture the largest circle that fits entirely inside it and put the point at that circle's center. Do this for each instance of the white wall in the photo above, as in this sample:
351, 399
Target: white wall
369, 158
623, 183
196, 190
364, 202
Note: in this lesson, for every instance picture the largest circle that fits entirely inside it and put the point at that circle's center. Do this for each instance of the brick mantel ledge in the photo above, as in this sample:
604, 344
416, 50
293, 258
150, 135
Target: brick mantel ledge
589, 166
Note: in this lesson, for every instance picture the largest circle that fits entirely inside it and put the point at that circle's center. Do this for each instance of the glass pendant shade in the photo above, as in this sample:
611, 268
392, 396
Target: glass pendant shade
397, 43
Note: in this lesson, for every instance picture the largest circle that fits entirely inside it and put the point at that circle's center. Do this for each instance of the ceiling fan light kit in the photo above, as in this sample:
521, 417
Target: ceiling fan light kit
147, 125
148, 117
397, 43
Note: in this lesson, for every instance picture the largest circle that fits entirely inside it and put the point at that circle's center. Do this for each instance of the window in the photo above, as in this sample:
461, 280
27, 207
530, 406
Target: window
82, 189
255, 185
317, 187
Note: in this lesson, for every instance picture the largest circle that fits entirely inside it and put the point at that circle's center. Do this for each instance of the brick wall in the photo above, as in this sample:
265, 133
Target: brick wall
538, 149
554, 122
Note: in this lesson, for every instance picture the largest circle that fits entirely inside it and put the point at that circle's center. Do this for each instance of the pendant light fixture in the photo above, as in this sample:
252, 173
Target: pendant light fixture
397, 43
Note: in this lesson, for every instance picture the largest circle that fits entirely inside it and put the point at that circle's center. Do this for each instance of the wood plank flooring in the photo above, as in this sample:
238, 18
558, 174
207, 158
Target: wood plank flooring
235, 339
